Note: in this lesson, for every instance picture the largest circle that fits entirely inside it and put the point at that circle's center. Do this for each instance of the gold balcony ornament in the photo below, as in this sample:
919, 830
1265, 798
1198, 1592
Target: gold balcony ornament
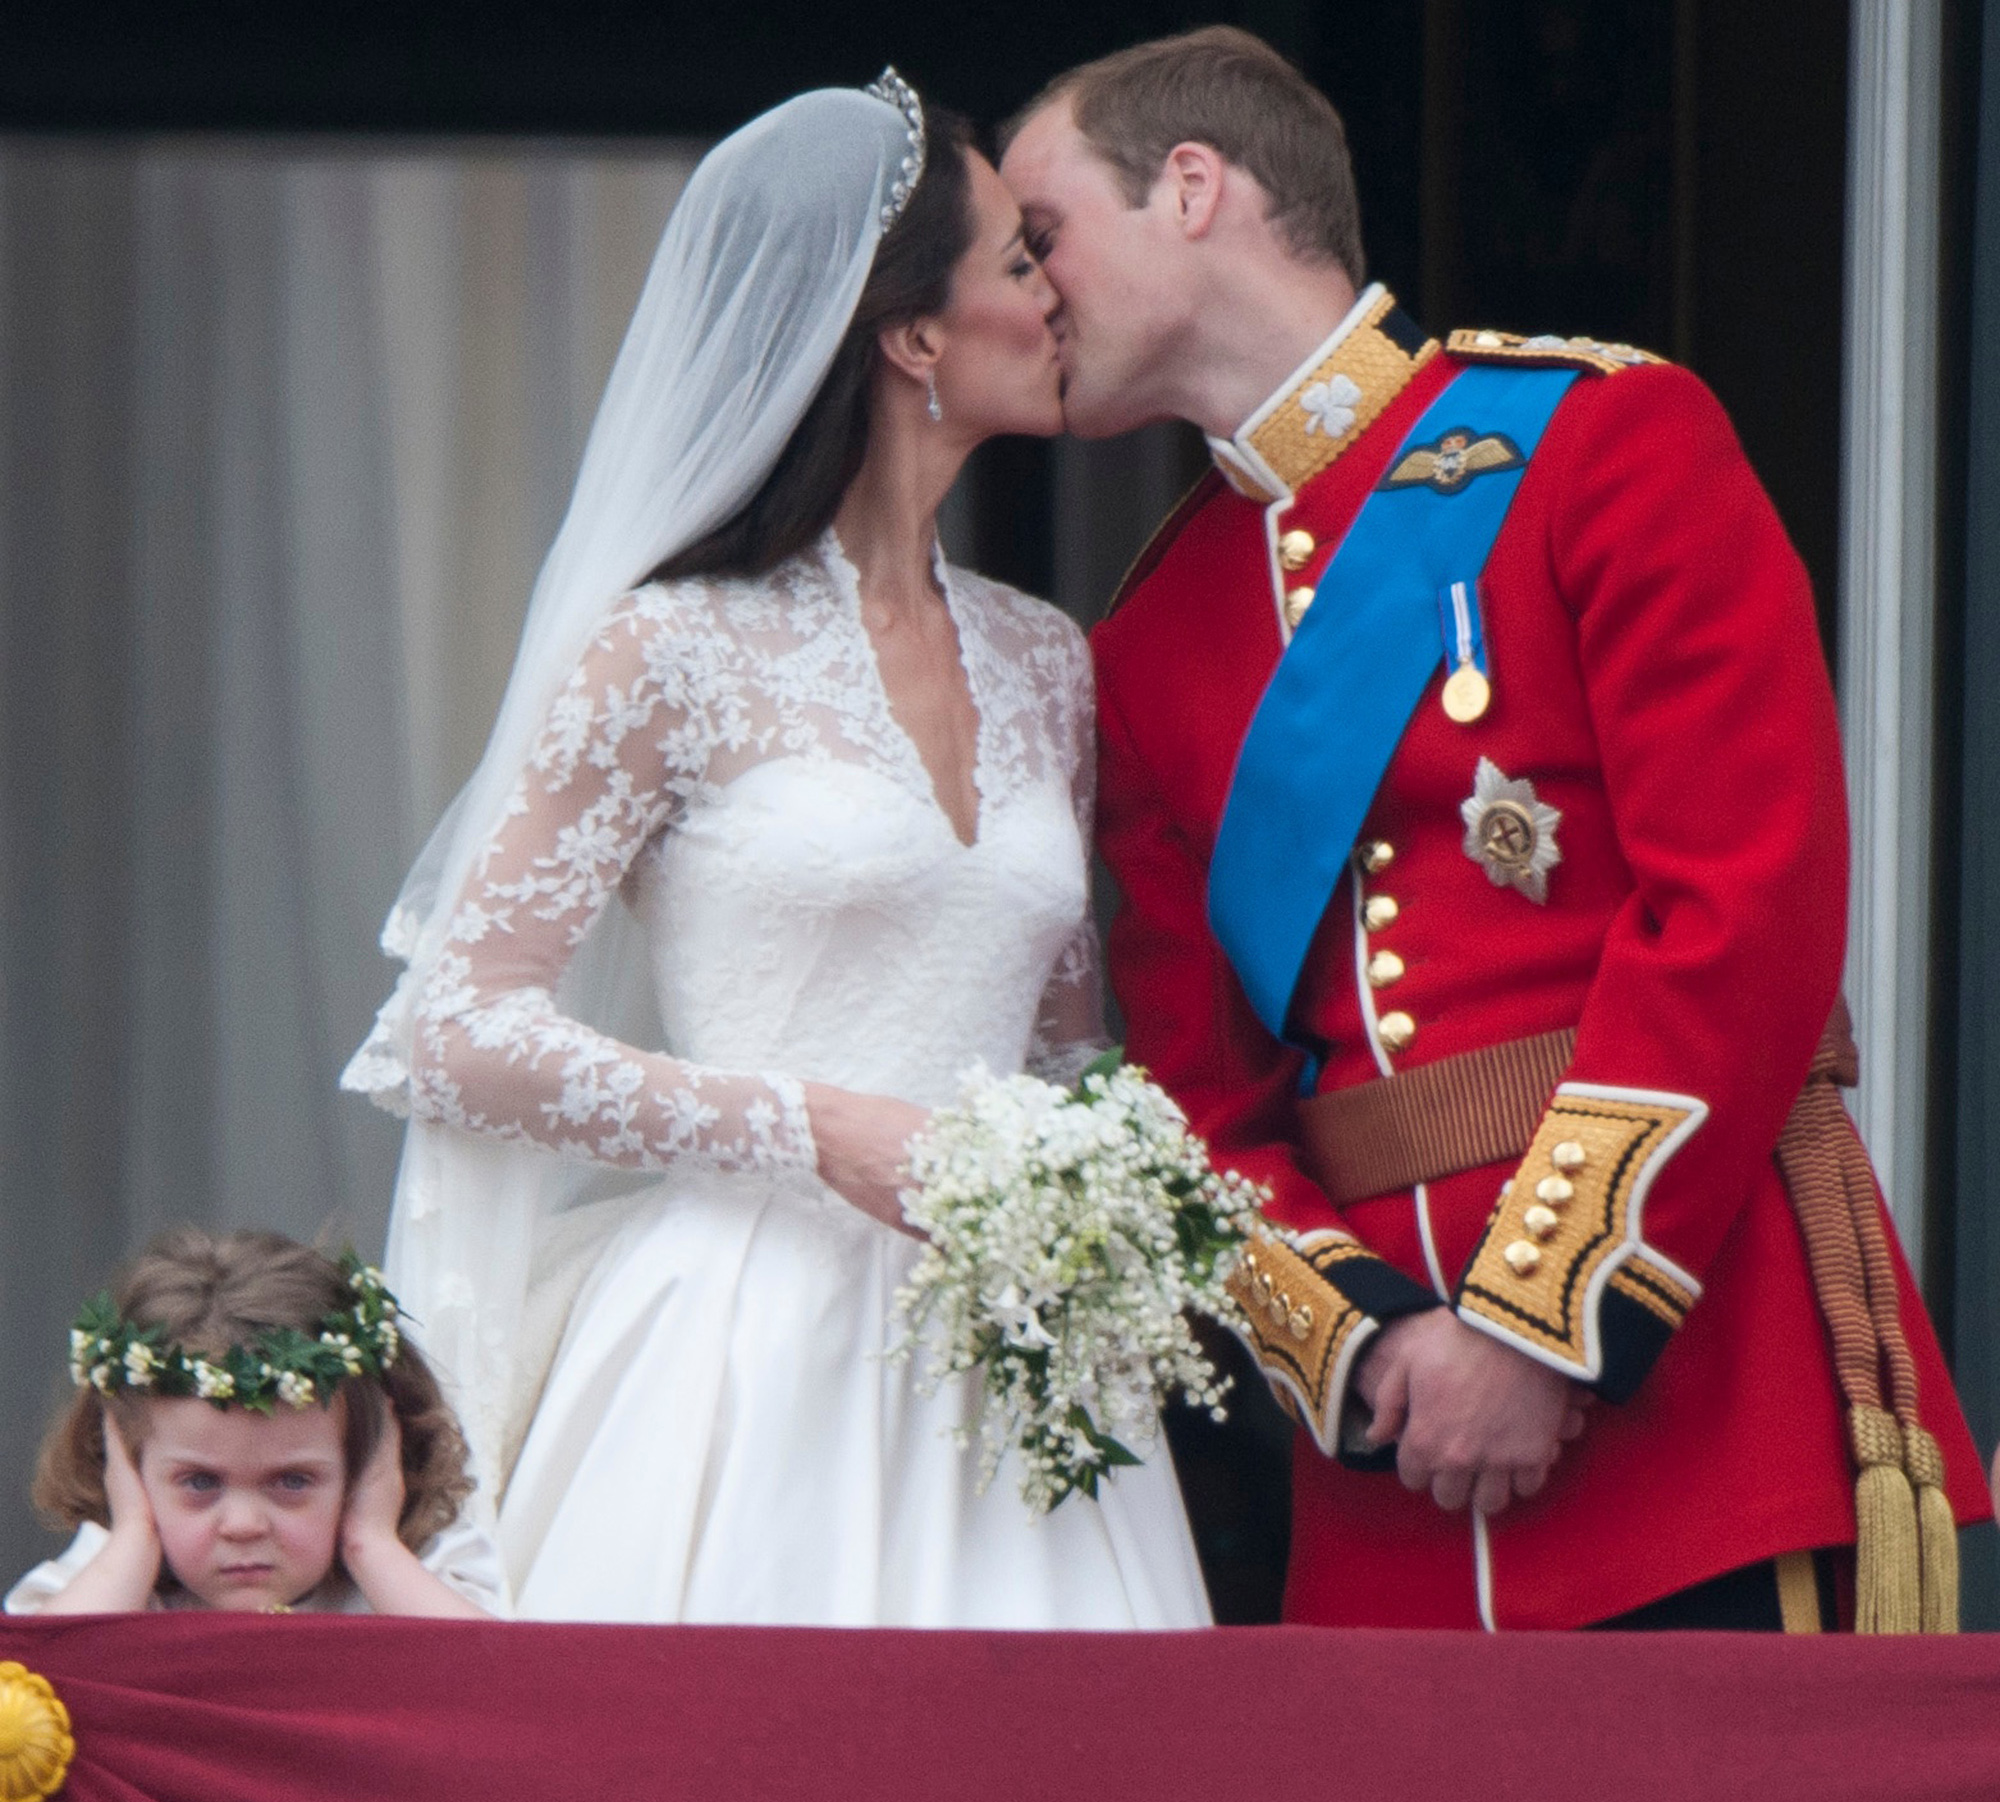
35, 1741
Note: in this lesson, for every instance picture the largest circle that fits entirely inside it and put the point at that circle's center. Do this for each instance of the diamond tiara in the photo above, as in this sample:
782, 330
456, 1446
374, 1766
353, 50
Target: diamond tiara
893, 90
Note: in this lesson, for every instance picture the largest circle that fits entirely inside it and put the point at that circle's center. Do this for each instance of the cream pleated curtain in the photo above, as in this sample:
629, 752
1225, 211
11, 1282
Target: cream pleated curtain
284, 430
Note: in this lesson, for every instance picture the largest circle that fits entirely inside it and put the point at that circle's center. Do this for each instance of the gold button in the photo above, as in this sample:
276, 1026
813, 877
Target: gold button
1379, 913
1555, 1190
1384, 968
1281, 1308
1522, 1258
1300, 1325
1569, 1156
1397, 1030
1295, 549
1541, 1221
1377, 855
1297, 600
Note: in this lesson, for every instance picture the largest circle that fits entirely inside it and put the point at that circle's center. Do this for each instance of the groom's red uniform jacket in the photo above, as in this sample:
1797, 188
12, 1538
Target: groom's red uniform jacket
1657, 678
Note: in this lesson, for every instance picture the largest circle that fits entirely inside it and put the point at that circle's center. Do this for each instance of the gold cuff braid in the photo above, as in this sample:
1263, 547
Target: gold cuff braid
1301, 1330
1568, 1225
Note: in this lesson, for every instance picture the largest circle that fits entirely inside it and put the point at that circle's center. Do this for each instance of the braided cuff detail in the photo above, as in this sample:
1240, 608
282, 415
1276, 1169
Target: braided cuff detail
1563, 1272
1305, 1325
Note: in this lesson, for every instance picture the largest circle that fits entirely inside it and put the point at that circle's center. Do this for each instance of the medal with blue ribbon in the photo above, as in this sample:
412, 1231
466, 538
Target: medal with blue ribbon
1468, 690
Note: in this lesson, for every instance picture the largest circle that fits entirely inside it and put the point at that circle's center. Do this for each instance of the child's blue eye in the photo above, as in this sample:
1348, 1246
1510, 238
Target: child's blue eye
202, 1482
294, 1480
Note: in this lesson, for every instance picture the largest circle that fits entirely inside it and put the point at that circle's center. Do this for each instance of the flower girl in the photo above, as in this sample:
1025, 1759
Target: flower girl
253, 1432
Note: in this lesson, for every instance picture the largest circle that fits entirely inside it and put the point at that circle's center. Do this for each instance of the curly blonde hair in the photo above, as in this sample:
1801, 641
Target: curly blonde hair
211, 1291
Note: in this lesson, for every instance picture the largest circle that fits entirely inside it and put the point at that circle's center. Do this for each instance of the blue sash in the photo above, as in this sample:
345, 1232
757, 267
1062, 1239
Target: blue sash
1335, 707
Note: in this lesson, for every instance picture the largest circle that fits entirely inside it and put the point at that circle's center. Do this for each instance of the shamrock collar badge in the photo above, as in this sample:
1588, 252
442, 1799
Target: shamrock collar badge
1509, 833
1329, 406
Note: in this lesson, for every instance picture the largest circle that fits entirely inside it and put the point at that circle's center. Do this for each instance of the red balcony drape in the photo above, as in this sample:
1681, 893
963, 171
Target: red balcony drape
231, 1708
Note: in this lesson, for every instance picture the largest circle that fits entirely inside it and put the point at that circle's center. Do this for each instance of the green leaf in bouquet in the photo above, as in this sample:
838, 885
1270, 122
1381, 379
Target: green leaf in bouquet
1203, 1234
1110, 1451
1115, 1453
1105, 1064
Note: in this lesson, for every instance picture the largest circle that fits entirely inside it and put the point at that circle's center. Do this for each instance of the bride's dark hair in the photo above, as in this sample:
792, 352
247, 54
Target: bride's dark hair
911, 276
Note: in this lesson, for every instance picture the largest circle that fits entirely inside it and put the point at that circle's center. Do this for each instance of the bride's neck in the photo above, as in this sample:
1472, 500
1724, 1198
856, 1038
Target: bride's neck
887, 519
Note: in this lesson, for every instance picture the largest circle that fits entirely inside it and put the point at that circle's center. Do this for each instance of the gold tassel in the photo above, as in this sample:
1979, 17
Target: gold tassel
1888, 1584
1937, 1531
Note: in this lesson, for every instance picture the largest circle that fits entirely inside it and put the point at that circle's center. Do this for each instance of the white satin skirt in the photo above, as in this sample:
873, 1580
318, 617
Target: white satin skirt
721, 1439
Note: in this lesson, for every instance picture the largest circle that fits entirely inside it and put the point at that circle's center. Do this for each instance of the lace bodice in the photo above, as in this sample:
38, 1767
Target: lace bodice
724, 755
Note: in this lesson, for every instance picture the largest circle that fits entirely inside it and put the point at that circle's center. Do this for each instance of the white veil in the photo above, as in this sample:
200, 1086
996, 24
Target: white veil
753, 285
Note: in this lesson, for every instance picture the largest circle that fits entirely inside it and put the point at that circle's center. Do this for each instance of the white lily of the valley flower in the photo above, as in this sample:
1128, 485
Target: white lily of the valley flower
296, 1389
1017, 1320
350, 1354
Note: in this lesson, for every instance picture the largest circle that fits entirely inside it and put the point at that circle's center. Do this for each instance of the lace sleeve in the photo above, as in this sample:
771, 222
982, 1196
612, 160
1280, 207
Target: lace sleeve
625, 745
1069, 1023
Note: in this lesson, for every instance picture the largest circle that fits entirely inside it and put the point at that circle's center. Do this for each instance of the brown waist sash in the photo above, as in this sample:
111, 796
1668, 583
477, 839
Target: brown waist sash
1484, 1107
1414, 1127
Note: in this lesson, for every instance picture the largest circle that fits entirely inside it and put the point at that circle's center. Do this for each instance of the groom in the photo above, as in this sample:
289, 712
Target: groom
1471, 773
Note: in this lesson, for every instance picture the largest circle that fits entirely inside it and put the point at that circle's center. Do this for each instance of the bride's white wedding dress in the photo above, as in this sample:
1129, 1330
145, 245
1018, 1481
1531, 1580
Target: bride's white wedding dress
720, 1437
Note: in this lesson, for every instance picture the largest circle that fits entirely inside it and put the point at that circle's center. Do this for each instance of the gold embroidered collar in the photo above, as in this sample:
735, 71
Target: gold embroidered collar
1334, 396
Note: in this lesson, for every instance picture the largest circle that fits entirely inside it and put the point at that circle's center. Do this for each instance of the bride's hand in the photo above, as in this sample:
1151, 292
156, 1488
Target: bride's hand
863, 1143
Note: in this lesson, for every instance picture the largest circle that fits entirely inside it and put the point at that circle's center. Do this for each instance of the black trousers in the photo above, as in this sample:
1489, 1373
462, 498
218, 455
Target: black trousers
1738, 1601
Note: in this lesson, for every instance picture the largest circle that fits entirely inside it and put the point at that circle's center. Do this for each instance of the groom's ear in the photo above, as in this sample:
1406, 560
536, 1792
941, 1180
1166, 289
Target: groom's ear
1192, 176
912, 345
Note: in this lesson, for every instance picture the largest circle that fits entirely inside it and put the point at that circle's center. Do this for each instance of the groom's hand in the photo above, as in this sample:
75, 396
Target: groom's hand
1474, 1420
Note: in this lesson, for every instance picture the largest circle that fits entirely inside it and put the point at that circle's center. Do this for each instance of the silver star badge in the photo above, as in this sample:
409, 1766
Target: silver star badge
1509, 833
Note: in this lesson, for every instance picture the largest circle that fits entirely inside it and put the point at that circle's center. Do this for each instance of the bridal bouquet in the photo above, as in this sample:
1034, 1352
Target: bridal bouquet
1068, 1231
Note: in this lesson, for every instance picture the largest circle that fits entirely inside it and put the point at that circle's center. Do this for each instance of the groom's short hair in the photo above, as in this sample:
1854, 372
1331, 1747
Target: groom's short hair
1231, 91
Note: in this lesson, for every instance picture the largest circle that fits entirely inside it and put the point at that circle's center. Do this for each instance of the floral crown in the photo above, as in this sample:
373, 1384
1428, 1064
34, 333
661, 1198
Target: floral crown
893, 90
108, 1353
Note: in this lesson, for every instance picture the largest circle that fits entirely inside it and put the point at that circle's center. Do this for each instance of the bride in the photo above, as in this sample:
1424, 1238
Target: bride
842, 790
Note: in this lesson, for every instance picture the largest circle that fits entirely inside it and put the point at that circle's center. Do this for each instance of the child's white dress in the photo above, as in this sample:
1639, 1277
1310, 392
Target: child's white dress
463, 1556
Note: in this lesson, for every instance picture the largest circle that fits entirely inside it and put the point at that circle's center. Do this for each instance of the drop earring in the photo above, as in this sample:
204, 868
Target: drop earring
931, 405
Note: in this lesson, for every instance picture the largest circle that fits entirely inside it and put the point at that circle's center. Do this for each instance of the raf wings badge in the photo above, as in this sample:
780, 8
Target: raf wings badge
1509, 833
1456, 457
